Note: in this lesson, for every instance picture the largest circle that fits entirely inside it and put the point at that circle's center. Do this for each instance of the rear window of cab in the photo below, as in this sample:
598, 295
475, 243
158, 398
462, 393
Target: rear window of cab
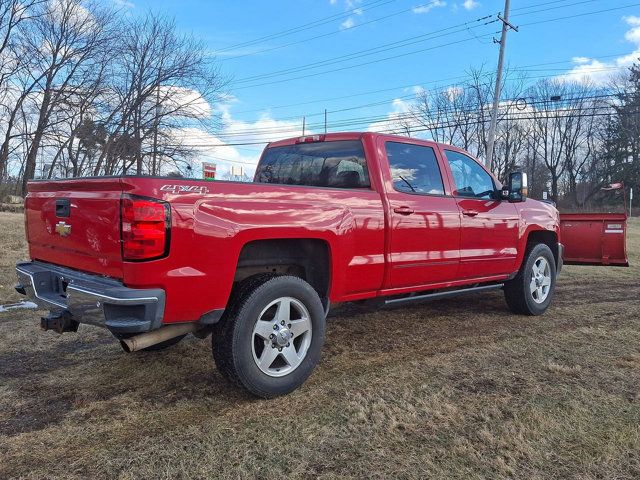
337, 164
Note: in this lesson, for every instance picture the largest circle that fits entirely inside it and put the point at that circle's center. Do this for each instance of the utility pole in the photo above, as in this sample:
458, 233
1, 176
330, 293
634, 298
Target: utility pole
304, 122
325, 120
496, 95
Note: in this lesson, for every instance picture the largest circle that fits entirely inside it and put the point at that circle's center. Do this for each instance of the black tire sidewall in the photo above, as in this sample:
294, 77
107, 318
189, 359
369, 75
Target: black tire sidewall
540, 250
248, 372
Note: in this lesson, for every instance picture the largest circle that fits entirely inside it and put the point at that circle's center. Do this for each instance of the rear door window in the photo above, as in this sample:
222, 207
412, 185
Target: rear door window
339, 164
414, 168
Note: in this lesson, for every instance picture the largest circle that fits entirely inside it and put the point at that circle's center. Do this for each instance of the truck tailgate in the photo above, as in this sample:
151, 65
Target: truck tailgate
594, 238
76, 223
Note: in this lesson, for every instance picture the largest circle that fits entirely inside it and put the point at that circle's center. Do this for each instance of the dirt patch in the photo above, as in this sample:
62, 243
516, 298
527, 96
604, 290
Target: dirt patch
18, 364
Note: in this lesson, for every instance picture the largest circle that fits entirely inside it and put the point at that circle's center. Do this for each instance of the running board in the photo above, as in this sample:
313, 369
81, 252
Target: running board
439, 295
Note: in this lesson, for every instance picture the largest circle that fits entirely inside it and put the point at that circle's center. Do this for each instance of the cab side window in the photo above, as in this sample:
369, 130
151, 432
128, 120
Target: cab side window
414, 169
471, 180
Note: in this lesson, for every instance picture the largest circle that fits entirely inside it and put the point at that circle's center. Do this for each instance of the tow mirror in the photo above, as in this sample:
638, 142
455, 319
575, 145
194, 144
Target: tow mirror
518, 187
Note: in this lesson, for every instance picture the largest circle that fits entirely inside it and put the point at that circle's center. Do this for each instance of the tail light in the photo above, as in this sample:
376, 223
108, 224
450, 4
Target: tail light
146, 228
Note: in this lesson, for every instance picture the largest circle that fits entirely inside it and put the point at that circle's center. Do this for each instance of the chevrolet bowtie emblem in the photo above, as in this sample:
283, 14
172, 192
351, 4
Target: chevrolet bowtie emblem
63, 229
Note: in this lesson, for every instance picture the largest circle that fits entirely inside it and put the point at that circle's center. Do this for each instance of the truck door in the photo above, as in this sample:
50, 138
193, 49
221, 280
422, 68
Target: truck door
594, 238
425, 224
489, 226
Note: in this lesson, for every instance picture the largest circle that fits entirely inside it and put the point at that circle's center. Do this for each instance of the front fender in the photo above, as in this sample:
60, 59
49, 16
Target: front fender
536, 217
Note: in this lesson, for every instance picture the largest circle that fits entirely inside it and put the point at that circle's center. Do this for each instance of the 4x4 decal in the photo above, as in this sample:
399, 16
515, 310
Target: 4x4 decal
176, 189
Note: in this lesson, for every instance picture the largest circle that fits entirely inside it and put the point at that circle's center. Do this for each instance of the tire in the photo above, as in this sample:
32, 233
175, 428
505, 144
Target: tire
163, 345
251, 352
538, 270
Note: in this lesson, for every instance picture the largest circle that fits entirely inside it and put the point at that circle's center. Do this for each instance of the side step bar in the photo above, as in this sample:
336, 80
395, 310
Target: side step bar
439, 295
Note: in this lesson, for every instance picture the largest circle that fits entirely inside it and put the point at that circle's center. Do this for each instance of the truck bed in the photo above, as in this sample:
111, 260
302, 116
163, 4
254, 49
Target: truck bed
210, 222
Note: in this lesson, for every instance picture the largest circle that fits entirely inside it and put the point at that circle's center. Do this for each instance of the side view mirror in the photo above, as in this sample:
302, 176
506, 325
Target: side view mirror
518, 187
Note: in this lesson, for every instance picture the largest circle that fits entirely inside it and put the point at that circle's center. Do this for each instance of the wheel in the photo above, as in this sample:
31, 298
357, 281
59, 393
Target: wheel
269, 341
163, 345
531, 291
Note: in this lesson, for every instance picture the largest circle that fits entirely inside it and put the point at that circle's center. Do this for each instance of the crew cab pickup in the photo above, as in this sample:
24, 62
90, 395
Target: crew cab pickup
329, 218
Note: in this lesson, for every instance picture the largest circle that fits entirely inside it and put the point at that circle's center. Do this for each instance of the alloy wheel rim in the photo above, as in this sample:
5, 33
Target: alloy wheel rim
540, 282
281, 336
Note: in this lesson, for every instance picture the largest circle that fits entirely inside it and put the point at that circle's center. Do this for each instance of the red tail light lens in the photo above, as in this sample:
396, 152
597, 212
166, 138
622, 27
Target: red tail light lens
146, 227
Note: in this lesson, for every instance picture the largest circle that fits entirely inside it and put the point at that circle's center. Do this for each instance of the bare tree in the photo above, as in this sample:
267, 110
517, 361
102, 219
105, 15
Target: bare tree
64, 46
14, 88
161, 82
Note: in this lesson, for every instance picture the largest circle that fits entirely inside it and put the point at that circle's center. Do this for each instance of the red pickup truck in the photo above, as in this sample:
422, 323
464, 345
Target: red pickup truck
329, 218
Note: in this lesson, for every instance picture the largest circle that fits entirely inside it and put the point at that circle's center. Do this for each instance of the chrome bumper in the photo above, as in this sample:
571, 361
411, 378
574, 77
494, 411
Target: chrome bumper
90, 298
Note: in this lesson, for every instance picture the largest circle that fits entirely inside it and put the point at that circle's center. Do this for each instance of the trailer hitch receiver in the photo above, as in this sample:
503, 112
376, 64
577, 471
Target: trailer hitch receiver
59, 322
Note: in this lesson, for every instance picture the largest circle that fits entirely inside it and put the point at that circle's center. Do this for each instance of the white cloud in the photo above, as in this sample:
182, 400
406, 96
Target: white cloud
349, 5
351, 8
212, 148
470, 4
596, 71
124, 3
348, 23
580, 60
453, 92
632, 20
427, 7
399, 109
185, 101
633, 35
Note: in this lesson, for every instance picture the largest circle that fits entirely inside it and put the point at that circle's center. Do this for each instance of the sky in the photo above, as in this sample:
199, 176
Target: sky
358, 59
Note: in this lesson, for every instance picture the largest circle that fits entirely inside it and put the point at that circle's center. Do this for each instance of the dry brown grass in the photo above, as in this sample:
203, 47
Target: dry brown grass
452, 389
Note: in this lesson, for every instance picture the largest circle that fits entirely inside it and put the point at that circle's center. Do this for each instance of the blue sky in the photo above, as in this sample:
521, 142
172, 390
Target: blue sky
591, 44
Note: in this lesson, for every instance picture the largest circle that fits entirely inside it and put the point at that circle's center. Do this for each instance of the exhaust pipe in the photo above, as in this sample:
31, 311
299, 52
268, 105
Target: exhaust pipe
145, 340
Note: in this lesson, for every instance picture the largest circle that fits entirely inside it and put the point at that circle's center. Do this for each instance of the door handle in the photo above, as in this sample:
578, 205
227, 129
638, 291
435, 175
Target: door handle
403, 210
469, 213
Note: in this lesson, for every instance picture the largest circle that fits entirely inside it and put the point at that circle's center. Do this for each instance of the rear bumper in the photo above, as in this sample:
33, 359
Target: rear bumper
91, 299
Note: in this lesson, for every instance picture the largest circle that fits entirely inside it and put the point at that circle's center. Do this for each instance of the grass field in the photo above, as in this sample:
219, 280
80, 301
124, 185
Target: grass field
453, 389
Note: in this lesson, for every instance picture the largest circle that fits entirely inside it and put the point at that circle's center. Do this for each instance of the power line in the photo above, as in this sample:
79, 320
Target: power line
438, 126
365, 63
517, 118
367, 120
415, 51
385, 17
370, 51
316, 23
555, 7
372, 119
568, 17
552, 2
336, 32
278, 107
397, 87
412, 116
